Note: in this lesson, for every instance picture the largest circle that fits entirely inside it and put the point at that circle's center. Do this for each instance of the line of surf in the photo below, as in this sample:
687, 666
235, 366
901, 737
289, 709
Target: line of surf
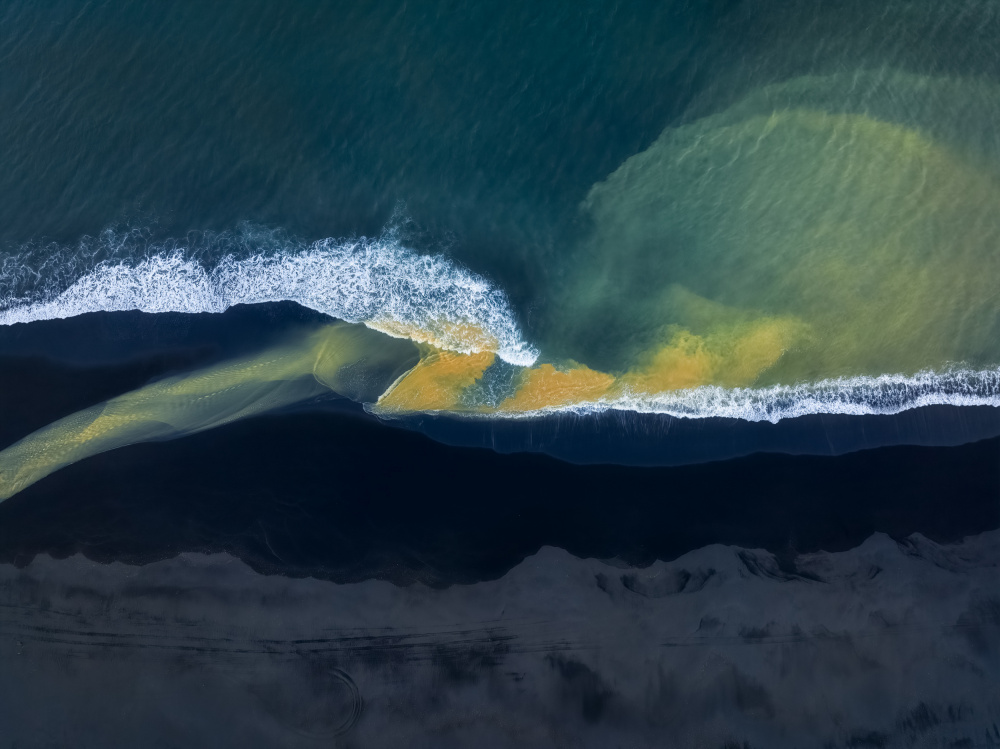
379, 282
855, 396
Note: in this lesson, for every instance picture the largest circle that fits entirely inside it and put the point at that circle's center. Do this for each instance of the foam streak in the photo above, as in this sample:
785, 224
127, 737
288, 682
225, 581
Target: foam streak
855, 396
371, 281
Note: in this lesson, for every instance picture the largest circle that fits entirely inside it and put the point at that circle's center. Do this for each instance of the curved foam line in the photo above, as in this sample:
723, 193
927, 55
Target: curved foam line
357, 281
375, 280
854, 396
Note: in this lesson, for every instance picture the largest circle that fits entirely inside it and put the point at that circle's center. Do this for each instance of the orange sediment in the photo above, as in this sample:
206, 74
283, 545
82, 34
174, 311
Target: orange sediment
758, 349
436, 383
685, 362
463, 337
732, 356
545, 386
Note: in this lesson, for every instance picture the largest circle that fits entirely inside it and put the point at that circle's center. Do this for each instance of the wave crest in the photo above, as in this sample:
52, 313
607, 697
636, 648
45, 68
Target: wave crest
853, 396
379, 282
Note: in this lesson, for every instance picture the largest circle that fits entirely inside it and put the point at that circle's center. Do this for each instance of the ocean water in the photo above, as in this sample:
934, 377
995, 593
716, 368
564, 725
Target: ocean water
746, 210
741, 210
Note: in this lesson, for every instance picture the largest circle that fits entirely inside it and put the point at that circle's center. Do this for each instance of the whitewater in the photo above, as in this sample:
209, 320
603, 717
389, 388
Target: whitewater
380, 282
373, 281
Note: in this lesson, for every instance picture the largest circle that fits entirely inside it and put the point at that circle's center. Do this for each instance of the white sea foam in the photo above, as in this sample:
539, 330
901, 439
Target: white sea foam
855, 396
379, 282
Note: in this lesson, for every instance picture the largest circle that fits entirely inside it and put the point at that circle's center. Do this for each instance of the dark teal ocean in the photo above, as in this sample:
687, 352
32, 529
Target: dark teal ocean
488, 121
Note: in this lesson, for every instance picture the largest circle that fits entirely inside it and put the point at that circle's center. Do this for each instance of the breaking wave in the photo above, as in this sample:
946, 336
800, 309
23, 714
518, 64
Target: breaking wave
397, 290
375, 281
853, 396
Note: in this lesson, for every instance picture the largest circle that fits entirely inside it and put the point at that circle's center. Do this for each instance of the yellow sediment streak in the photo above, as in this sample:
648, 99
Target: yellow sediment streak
685, 362
281, 376
190, 403
545, 386
879, 237
730, 356
463, 337
442, 375
436, 383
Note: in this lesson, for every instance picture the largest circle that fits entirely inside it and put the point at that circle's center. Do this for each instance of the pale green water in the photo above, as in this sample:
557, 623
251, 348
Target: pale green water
871, 224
